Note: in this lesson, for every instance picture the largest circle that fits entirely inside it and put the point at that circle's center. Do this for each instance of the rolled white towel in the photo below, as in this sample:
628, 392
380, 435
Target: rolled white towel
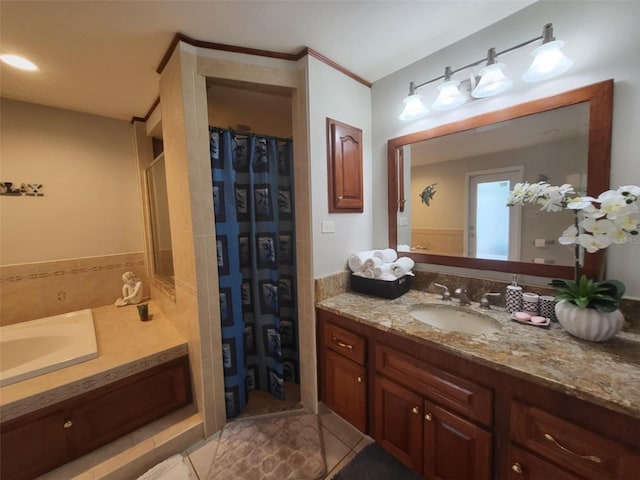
356, 260
387, 255
384, 268
368, 273
372, 263
387, 277
402, 266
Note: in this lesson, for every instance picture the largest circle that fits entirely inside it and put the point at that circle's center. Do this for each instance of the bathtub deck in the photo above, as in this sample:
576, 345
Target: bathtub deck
125, 346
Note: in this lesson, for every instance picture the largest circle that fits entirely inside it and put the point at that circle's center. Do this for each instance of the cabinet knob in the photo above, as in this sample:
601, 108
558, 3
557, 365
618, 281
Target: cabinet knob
360, 379
516, 467
67, 424
415, 410
428, 417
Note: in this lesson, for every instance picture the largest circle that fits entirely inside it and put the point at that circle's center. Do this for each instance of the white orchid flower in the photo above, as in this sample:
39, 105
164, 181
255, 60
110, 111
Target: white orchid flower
627, 222
581, 203
599, 227
631, 189
620, 236
617, 206
593, 243
569, 236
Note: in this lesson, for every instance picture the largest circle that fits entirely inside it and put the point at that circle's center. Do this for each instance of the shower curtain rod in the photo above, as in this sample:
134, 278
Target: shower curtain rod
248, 134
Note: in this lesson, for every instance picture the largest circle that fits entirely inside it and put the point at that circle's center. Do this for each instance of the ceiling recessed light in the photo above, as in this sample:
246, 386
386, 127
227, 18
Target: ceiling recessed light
18, 62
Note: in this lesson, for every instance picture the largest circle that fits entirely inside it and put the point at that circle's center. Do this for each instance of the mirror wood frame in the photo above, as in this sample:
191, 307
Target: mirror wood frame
600, 98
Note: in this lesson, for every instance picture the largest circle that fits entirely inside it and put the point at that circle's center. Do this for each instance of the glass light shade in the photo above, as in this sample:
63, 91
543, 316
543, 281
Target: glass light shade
492, 82
413, 108
548, 62
18, 62
449, 96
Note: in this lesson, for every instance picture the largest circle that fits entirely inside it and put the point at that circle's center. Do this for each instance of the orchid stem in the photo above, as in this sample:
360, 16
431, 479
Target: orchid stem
576, 252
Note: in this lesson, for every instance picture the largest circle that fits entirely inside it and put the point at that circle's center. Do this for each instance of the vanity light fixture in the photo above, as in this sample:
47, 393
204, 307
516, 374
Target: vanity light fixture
18, 62
548, 62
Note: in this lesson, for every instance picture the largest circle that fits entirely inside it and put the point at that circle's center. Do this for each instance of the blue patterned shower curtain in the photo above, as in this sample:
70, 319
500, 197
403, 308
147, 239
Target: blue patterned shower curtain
254, 216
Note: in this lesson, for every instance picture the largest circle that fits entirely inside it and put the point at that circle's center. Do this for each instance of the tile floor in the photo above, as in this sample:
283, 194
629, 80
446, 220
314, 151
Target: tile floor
341, 443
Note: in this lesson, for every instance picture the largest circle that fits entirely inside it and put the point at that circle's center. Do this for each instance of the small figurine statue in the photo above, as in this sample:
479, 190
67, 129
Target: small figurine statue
131, 290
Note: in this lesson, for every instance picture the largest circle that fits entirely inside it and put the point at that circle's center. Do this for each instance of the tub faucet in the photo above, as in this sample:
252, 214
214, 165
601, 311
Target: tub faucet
446, 295
463, 296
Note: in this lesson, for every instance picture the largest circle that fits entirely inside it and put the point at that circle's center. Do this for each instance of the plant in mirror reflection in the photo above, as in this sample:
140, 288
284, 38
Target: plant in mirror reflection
611, 218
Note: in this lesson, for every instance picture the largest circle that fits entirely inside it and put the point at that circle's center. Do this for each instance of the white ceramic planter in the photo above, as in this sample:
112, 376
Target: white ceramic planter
587, 323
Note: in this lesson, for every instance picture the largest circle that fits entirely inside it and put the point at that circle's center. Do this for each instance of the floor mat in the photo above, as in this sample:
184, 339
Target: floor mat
374, 463
274, 447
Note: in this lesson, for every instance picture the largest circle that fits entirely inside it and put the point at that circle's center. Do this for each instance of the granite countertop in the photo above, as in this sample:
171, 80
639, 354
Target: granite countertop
126, 346
607, 374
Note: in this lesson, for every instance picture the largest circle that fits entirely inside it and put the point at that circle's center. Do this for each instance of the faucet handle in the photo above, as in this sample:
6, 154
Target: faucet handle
484, 300
446, 295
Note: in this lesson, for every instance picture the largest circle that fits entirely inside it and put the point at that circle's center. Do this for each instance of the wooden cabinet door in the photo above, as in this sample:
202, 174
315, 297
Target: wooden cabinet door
398, 422
345, 389
454, 448
33, 445
133, 404
344, 151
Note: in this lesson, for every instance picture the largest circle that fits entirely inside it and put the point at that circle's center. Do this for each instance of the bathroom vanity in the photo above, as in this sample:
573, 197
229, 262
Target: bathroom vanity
519, 403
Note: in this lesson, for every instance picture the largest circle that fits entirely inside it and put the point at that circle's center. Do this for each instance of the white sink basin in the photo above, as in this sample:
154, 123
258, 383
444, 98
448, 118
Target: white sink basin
453, 319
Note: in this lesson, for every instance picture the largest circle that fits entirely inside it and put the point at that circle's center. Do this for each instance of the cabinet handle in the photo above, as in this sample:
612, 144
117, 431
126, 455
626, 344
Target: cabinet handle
339, 197
359, 379
516, 467
415, 410
593, 458
428, 417
342, 344
67, 424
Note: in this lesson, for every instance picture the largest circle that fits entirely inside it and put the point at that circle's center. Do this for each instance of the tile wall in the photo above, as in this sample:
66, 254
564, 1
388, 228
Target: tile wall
35, 290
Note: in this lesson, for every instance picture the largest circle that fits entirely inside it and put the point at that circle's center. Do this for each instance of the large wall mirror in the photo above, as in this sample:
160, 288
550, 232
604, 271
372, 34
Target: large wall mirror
471, 165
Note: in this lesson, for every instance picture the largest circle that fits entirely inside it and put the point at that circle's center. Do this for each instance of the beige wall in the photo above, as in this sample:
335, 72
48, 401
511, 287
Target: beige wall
91, 204
66, 250
265, 113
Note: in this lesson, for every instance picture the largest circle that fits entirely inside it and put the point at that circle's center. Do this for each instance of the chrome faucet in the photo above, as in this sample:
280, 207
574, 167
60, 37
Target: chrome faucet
463, 296
484, 300
446, 295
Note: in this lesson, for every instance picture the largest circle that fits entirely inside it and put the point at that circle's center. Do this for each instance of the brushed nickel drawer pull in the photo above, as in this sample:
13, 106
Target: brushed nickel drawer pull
67, 424
415, 410
593, 458
342, 344
360, 379
516, 467
428, 417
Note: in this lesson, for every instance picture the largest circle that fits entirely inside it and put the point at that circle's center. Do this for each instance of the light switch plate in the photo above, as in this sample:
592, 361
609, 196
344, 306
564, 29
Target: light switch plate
328, 226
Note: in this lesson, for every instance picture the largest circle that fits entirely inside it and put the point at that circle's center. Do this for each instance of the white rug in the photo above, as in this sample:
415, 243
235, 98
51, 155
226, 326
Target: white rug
275, 447
173, 468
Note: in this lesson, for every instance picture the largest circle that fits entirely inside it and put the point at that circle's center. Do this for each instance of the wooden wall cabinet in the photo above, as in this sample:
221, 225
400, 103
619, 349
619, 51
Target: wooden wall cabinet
43, 440
449, 418
344, 152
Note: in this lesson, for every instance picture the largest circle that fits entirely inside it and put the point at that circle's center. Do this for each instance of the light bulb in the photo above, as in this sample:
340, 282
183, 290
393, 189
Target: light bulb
548, 62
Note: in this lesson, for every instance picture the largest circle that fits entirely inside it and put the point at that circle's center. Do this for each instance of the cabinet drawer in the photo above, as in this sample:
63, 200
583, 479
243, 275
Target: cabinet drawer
522, 465
586, 453
462, 396
346, 343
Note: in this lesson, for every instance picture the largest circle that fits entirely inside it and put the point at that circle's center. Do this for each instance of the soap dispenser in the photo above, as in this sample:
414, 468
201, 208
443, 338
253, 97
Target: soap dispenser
514, 296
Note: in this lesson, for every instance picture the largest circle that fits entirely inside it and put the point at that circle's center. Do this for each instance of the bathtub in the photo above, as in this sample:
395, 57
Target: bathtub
29, 349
